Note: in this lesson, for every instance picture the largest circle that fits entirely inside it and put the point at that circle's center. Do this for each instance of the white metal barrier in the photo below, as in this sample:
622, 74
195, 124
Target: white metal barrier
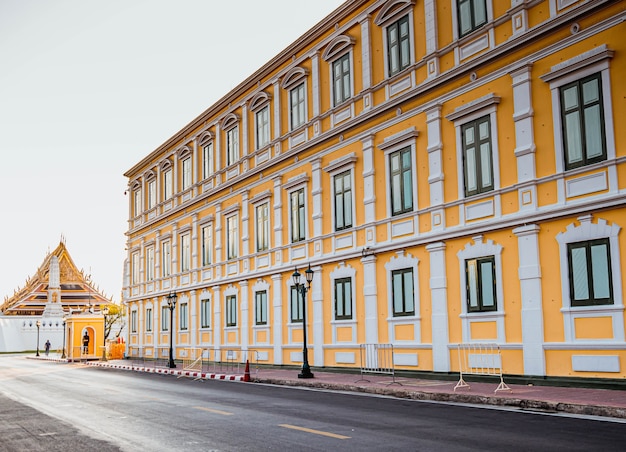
192, 361
480, 359
377, 359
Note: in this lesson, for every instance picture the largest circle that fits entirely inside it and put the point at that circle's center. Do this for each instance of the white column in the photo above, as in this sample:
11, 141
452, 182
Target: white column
370, 299
439, 297
193, 319
532, 309
315, 85
217, 316
277, 317
316, 297
435, 169
369, 189
245, 315
366, 52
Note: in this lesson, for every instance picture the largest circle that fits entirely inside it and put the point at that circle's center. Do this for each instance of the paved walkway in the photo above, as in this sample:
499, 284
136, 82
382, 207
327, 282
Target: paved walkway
595, 402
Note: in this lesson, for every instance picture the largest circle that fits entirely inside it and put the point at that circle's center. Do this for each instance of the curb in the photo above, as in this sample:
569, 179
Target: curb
522, 404
166, 371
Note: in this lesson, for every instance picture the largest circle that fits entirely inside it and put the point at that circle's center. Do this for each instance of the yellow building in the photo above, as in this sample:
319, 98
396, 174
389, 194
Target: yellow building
453, 171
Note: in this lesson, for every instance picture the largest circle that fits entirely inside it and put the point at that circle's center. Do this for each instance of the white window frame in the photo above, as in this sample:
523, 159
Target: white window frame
232, 236
149, 319
183, 316
150, 263
403, 261
137, 204
586, 230
574, 69
343, 271
476, 109
186, 180
152, 193
133, 321
208, 156
135, 267
165, 318
456, 21
262, 127
168, 184
293, 79
228, 298
394, 143
232, 145
166, 258
205, 313
481, 248
185, 252
206, 235
390, 14
262, 226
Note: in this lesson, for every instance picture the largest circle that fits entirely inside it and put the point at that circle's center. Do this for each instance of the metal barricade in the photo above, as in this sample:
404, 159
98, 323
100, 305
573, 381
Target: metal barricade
480, 359
377, 359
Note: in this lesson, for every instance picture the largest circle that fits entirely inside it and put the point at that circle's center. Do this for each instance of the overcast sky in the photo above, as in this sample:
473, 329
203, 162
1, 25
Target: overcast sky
88, 88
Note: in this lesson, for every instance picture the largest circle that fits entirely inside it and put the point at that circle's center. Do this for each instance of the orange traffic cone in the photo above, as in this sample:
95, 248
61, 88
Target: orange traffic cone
246, 374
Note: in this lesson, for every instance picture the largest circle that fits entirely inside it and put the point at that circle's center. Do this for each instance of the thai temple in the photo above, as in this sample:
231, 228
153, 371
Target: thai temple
57, 289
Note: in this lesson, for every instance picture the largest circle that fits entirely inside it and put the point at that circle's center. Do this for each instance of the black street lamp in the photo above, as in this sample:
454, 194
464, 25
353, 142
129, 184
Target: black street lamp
105, 312
171, 303
302, 289
38, 325
63, 354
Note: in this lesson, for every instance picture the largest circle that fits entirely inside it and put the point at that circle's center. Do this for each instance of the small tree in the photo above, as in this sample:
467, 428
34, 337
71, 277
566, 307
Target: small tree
115, 320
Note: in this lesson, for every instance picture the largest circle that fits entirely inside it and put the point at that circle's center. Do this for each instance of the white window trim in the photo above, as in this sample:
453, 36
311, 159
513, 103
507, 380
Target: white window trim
185, 233
336, 49
205, 295
150, 268
390, 13
344, 271
586, 231
484, 106
291, 80
227, 216
480, 248
207, 224
402, 261
262, 285
230, 291
336, 167
293, 184
391, 144
571, 70
455, 20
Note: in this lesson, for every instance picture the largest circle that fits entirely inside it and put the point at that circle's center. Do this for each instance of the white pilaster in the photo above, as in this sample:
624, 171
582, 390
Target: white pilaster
277, 317
439, 297
317, 299
366, 53
370, 299
245, 316
532, 310
316, 193
217, 316
193, 319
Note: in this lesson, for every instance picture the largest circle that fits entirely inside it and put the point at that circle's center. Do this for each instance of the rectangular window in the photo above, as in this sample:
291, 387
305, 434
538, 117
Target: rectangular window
398, 46
263, 227
477, 156
263, 127
183, 316
232, 239
343, 200
401, 181
231, 310
207, 160
341, 80
232, 145
590, 273
582, 117
343, 299
133, 321
472, 14
166, 259
136, 269
260, 307
297, 307
186, 173
205, 313
296, 106
149, 264
165, 318
137, 202
296, 201
481, 284
403, 295
207, 244
185, 252
149, 319
168, 185
152, 194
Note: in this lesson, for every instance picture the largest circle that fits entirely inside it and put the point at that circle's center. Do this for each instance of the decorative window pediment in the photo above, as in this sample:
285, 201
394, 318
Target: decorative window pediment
392, 10
205, 137
183, 152
259, 100
149, 175
165, 164
338, 45
230, 121
135, 185
294, 76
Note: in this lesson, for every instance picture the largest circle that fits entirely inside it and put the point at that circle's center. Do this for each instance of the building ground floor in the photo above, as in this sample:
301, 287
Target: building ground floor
549, 293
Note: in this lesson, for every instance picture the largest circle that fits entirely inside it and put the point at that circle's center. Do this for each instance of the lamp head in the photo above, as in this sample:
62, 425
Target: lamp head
309, 275
296, 277
38, 324
171, 299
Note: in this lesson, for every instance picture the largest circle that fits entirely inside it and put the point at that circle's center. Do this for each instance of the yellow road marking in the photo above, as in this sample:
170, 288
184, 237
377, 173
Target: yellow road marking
317, 432
211, 410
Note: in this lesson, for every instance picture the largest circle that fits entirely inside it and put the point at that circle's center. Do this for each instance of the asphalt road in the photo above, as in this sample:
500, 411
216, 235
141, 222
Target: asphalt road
71, 407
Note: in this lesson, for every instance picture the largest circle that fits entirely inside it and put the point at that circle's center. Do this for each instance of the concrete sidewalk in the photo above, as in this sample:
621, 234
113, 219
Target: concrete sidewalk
554, 399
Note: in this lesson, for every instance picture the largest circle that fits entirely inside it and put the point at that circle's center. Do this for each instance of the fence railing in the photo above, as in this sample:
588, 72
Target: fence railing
480, 359
377, 359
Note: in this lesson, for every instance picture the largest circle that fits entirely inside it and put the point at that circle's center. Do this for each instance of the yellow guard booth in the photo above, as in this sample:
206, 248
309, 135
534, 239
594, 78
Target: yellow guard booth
84, 334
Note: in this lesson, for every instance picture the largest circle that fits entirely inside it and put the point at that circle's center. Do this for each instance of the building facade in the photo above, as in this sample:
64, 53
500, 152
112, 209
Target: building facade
452, 171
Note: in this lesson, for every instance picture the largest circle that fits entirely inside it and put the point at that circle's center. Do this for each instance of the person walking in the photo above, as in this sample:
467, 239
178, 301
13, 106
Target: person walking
47, 347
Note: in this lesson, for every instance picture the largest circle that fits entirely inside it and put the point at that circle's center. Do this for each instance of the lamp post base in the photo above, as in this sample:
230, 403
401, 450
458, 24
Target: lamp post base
306, 372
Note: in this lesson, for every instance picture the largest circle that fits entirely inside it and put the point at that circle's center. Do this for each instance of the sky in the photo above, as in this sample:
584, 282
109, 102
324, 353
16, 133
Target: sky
88, 88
